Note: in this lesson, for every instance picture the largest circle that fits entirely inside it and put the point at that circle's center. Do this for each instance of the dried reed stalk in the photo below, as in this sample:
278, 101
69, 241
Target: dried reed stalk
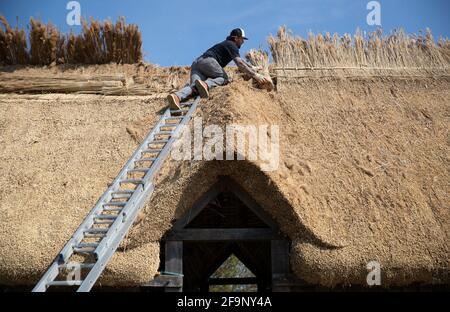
13, 44
374, 50
259, 60
98, 43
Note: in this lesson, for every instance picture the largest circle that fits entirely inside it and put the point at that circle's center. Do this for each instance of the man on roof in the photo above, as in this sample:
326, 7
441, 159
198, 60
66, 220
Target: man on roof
207, 71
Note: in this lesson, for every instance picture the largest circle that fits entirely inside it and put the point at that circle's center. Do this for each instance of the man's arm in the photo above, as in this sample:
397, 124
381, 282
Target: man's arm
242, 65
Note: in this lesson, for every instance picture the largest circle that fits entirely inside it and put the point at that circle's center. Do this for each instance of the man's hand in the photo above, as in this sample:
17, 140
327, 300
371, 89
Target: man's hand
260, 79
249, 71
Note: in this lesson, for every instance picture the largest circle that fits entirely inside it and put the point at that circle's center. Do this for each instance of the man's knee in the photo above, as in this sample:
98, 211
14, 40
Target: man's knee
226, 78
225, 81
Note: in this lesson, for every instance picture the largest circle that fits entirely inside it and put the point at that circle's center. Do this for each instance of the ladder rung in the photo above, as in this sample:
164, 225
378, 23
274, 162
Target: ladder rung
86, 245
123, 192
139, 170
121, 196
103, 221
145, 159
120, 204
132, 181
164, 133
95, 235
179, 111
158, 141
169, 126
76, 266
152, 150
112, 209
174, 118
91, 231
84, 250
108, 217
173, 122
65, 283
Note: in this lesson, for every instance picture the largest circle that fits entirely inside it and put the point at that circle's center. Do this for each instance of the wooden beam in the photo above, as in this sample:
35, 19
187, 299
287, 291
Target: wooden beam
174, 262
223, 234
197, 207
280, 264
168, 281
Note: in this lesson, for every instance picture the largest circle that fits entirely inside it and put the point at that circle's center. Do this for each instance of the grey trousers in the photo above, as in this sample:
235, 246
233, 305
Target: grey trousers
206, 69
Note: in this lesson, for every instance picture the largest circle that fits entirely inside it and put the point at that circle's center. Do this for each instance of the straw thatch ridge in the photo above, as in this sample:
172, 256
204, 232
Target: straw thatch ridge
363, 176
349, 190
98, 43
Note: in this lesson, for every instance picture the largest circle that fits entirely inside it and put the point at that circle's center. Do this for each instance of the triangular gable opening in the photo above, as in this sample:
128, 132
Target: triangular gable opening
225, 205
226, 210
224, 221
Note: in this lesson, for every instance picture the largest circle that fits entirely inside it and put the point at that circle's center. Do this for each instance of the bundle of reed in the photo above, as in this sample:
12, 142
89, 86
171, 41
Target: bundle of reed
98, 43
135, 90
374, 50
59, 84
13, 44
81, 84
259, 60
101, 43
46, 42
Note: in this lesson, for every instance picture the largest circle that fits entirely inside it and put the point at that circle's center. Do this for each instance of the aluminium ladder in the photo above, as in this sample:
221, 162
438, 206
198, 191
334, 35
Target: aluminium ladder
101, 232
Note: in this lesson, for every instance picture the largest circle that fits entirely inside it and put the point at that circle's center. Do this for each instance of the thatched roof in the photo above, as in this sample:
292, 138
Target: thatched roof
363, 176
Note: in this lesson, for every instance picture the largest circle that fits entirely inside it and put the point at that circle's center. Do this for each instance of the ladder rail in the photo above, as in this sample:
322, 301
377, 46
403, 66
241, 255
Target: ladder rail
51, 273
121, 225
126, 222
107, 195
128, 209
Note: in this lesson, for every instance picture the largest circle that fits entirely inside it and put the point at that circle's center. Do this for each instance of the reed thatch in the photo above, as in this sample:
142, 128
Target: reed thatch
363, 171
363, 176
375, 50
98, 43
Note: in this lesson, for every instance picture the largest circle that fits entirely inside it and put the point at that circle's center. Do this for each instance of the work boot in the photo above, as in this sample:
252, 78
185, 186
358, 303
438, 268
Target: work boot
174, 101
202, 89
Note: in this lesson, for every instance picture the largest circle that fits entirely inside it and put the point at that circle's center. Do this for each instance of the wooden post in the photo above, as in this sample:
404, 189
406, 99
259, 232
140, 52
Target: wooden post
280, 265
174, 261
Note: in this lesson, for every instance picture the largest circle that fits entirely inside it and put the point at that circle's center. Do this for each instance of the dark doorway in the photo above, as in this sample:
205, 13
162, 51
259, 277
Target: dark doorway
225, 222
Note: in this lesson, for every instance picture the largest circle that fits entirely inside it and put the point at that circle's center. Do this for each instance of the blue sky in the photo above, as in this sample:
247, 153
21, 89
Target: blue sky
175, 31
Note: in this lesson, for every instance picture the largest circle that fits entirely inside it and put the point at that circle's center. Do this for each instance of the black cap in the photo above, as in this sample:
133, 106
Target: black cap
238, 32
